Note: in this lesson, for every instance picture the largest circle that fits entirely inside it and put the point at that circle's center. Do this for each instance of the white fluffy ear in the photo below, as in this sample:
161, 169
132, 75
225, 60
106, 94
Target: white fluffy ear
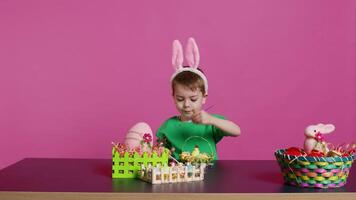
177, 56
192, 53
328, 128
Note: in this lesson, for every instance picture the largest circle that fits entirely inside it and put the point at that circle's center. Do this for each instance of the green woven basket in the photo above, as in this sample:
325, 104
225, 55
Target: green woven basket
127, 166
314, 172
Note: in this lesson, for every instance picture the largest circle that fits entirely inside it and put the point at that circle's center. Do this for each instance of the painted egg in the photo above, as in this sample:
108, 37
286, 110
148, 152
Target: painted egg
333, 153
138, 133
295, 151
346, 154
316, 153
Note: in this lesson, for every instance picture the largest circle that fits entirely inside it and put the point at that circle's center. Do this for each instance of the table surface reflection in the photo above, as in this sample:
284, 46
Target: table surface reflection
94, 175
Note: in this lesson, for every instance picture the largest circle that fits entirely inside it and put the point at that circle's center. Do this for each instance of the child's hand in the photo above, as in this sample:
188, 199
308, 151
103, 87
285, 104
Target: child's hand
202, 117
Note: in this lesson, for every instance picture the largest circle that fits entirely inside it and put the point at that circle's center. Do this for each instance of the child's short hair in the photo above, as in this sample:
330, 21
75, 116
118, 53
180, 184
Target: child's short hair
189, 79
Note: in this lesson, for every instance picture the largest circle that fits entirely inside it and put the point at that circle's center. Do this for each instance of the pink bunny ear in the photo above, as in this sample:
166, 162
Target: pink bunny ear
177, 57
192, 53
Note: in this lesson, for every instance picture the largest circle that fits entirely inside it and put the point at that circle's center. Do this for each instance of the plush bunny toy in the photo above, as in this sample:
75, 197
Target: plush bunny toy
314, 137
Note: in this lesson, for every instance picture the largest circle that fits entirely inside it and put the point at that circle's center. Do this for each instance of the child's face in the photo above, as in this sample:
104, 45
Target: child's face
188, 102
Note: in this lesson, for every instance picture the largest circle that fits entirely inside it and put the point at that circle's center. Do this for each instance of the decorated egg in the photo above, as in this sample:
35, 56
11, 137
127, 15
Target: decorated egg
334, 153
316, 153
345, 154
140, 135
295, 151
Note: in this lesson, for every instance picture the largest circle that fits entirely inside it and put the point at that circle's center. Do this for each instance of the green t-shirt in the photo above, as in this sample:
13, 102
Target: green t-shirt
183, 136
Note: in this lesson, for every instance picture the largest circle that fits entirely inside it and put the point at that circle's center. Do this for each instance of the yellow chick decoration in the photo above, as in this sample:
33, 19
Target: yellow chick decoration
196, 151
196, 156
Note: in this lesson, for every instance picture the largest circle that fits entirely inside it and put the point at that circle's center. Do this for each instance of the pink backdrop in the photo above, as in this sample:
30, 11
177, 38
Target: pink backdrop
76, 75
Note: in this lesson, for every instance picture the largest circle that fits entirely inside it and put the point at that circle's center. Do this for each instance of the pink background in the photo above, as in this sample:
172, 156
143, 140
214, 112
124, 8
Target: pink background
76, 75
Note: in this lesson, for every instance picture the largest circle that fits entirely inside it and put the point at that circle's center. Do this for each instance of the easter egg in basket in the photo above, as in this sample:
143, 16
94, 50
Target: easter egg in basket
140, 132
316, 153
295, 151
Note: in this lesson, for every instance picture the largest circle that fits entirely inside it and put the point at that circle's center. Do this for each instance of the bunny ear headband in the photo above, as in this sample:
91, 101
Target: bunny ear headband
192, 57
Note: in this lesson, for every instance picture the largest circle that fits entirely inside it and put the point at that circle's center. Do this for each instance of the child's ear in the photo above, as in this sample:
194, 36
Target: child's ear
204, 98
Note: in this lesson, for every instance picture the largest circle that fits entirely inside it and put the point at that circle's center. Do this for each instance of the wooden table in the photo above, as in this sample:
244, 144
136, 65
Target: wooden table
46, 178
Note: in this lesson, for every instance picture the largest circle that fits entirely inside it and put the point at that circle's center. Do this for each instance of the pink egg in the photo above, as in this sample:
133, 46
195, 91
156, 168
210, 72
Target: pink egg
135, 135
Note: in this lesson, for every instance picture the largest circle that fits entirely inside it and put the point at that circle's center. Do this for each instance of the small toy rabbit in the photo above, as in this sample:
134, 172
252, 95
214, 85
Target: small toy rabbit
314, 137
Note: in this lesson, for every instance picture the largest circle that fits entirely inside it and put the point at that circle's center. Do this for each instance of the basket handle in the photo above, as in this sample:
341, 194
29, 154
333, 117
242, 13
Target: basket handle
195, 136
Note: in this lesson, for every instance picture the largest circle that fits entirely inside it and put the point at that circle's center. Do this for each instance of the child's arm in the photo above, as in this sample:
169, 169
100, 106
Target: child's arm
225, 125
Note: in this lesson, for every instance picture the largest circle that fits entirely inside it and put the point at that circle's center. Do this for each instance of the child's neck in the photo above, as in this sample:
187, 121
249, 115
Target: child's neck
183, 119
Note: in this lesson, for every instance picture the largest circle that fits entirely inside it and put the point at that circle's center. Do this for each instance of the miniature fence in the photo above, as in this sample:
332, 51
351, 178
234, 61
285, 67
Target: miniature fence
173, 174
128, 165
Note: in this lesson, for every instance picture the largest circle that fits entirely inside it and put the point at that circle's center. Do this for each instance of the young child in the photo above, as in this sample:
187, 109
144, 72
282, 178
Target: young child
194, 126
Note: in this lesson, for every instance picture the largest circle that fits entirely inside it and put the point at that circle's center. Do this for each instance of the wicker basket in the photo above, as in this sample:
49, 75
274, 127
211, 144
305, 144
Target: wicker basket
314, 172
196, 160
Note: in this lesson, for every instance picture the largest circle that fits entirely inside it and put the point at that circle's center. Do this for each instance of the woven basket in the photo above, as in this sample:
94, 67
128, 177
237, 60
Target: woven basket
314, 172
198, 160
